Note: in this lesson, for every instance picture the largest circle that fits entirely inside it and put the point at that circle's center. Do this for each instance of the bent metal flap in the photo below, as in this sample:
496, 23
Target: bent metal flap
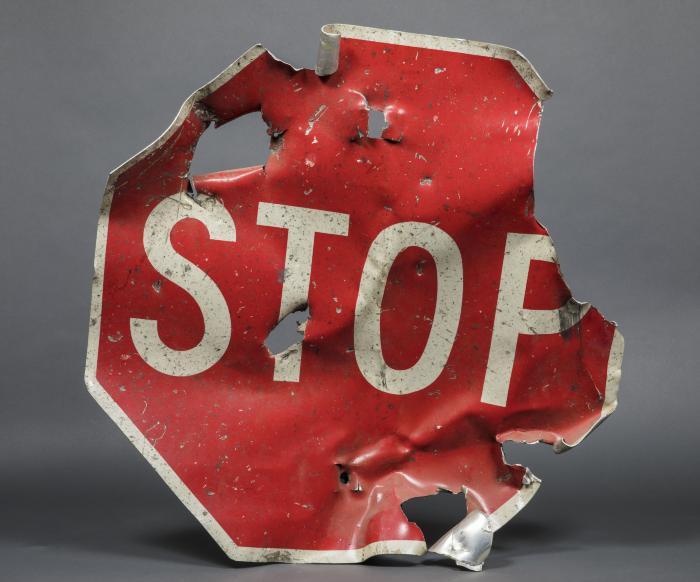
439, 325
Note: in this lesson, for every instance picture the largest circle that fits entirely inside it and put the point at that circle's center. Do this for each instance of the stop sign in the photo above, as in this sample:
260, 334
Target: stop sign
439, 325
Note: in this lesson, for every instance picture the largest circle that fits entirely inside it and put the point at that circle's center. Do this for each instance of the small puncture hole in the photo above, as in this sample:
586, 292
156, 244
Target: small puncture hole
343, 475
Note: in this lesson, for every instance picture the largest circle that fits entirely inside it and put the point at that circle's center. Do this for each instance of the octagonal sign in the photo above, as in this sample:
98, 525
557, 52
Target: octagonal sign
438, 322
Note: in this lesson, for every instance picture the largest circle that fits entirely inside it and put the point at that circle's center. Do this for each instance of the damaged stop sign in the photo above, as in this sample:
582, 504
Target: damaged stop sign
439, 324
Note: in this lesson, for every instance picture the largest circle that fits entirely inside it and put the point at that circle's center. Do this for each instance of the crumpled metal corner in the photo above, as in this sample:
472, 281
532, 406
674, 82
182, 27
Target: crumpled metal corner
468, 543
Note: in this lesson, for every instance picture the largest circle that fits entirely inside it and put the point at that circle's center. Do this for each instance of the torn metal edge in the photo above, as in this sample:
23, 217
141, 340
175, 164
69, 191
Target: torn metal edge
612, 387
331, 33
186, 108
254, 554
501, 516
469, 542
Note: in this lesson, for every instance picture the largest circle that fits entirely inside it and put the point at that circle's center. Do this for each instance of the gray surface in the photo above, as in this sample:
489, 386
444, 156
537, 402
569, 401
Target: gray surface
86, 84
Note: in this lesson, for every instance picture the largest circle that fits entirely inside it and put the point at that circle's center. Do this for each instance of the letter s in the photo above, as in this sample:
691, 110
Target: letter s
175, 268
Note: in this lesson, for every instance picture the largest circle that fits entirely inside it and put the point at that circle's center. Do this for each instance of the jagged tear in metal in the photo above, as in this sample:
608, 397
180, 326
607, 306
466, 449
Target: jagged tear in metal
438, 322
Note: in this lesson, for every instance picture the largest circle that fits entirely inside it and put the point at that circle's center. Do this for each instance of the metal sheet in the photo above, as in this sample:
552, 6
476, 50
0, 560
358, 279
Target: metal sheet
439, 323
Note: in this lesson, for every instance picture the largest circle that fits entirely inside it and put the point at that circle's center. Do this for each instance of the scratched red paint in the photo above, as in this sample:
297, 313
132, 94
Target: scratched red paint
272, 467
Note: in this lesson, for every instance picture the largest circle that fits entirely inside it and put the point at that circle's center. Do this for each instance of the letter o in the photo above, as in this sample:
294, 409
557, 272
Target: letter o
448, 306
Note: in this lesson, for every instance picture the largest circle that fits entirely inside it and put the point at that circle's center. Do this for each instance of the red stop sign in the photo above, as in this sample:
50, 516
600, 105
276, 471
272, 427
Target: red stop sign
439, 323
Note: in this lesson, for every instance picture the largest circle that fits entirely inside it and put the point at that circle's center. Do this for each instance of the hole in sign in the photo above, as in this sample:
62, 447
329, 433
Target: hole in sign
288, 330
435, 514
376, 123
239, 143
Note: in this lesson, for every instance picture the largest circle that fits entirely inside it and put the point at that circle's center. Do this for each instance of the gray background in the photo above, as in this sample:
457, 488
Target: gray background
87, 84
